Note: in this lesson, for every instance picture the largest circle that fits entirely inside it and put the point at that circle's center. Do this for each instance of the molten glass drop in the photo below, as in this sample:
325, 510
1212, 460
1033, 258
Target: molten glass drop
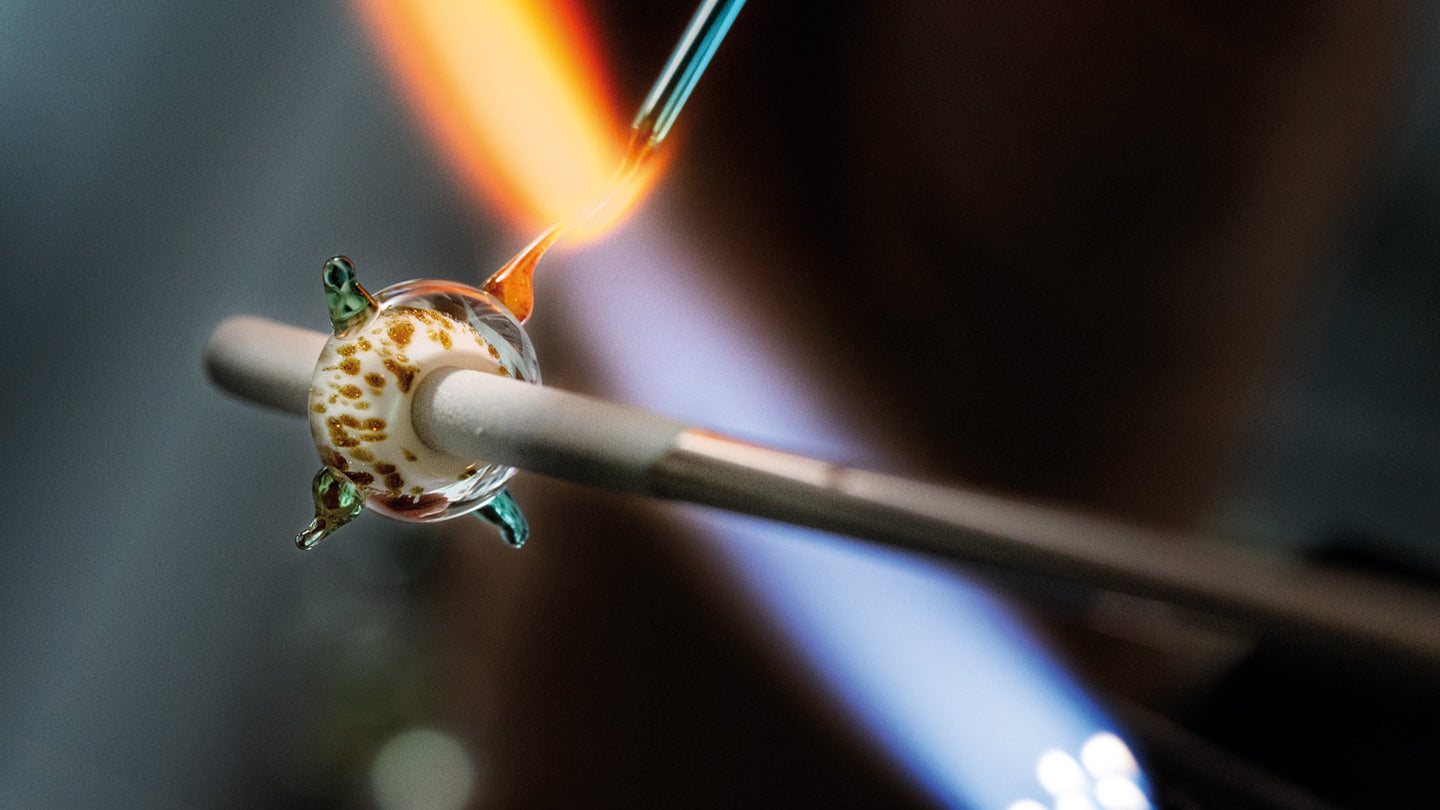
514, 284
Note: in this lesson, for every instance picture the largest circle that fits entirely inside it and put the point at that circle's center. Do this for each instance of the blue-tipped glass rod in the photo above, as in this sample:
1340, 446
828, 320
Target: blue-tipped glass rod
702, 36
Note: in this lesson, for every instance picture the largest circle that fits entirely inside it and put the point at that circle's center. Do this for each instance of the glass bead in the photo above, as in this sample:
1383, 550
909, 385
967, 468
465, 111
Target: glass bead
365, 381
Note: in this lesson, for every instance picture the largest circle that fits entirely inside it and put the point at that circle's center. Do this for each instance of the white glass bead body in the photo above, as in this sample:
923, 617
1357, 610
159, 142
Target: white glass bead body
365, 382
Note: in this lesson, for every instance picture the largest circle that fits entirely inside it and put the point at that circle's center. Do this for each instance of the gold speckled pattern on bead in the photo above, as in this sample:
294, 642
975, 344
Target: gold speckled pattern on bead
360, 400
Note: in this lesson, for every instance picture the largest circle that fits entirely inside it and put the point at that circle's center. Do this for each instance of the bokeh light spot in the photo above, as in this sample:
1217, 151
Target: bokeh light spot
1107, 755
422, 769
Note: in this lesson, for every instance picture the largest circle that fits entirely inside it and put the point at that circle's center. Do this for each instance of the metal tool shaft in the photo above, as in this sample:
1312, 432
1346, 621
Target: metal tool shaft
616, 447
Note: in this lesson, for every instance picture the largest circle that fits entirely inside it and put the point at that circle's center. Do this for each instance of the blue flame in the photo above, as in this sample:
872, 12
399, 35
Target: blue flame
932, 666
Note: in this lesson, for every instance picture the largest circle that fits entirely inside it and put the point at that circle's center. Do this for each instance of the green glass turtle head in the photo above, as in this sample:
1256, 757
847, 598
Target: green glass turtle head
337, 502
350, 305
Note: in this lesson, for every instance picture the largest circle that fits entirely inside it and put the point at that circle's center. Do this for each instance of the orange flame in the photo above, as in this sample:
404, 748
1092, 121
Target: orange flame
512, 91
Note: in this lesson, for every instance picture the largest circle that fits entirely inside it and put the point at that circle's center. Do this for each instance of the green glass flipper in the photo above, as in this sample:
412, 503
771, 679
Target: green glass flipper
337, 502
504, 513
350, 305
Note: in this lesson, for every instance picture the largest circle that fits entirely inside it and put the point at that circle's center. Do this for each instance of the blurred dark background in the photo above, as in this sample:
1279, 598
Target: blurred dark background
1169, 261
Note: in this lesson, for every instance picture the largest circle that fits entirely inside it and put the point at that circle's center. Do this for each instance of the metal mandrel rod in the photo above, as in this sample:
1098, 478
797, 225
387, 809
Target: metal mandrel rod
620, 448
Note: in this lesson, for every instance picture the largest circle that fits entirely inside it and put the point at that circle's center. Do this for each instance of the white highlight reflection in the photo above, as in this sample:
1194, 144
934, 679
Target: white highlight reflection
422, 769
1105, 777
1061, 774
1107, 755
1119, 793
